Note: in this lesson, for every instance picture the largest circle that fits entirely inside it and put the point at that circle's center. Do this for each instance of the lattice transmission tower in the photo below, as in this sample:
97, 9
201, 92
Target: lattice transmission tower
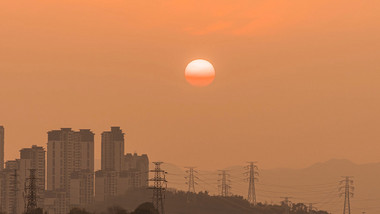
224, 186
159, 187
252, 177
31, 191
191, 182
347, 185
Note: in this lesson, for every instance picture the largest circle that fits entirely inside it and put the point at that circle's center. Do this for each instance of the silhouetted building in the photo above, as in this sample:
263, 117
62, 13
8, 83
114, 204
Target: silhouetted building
112, 149
1, 148
7, 191
106, 185
138, 168
12, 180
134, 175
68, 152
81, 188
36, 155
55, 202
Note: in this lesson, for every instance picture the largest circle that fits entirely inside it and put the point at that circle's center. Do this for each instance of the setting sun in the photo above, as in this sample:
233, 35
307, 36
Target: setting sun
199, 72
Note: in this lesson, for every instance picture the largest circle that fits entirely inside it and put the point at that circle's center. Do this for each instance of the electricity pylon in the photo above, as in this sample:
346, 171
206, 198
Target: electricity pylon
347, 185
224, 186
252, 173
159, 187
191, 181
31, 192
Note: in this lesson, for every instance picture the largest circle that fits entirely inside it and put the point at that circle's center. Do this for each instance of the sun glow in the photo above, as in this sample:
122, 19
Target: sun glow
200, 72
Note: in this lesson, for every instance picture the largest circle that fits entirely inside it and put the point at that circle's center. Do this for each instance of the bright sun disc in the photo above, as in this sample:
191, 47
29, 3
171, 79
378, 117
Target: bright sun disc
199, 72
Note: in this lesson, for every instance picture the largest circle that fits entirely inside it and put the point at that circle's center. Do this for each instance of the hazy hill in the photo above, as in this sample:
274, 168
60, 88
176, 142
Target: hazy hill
201, 203
316, 184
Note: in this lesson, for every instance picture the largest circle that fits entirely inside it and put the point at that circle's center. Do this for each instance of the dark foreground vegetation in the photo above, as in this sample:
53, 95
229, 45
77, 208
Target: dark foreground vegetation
145, 208
200, 203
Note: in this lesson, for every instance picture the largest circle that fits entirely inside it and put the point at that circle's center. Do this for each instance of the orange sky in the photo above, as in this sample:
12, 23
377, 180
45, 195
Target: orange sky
297, 82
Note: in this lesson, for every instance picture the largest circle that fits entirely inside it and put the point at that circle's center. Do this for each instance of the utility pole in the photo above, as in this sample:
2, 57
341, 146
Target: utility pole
31, 192
159, 187
224, 186
191, 181
287, 204
252, 173
347, 185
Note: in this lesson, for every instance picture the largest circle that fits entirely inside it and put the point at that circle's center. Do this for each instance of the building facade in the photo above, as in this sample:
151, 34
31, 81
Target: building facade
106, 185
134, 175
112, 149
81, 188
55, 202
68, 153
12, 181
138, 167
119, 172
36, 155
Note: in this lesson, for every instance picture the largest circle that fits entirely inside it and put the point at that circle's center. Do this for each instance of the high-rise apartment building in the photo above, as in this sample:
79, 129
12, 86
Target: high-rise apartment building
134, 175
119, 173
112, 159
1, 147
112, 149
12, 180
69, 152
137, 167
36, 155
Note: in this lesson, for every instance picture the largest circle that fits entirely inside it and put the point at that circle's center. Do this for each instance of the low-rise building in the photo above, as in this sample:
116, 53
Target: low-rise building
81, 189
134, 175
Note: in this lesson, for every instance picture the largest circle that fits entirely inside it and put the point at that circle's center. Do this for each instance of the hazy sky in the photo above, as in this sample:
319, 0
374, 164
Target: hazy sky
297, 82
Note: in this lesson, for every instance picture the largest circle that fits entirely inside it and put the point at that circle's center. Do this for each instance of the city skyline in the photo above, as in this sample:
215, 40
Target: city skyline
122, 181
63, 176
97, 159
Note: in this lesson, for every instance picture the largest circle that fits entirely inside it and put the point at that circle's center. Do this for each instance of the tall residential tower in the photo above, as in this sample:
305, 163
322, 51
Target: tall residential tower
113, 149
70, 156
36, 156
119, 173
